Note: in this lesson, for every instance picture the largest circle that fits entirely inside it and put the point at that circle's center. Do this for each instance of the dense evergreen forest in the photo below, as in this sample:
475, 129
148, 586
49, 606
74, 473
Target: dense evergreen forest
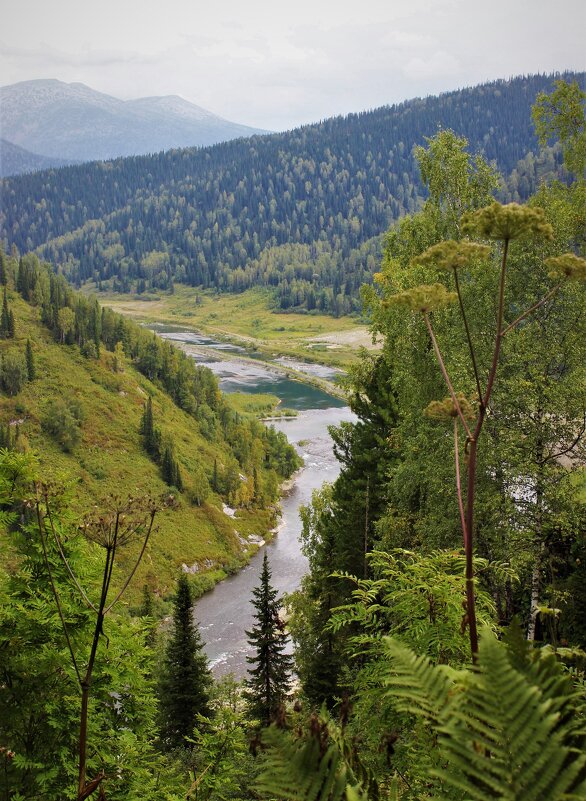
302, 211
439, 634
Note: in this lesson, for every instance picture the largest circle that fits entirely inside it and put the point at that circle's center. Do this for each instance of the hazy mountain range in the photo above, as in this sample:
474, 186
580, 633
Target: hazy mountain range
302, 211
69, 122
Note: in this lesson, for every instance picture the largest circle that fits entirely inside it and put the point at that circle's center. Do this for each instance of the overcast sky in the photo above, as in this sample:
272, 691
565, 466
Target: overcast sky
278, 64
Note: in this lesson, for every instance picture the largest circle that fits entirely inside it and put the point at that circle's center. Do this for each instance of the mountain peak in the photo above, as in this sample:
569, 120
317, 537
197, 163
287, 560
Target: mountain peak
72, 121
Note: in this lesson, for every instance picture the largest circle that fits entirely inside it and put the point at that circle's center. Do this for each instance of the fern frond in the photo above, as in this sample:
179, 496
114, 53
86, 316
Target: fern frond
417, 686
316, 768
505, 738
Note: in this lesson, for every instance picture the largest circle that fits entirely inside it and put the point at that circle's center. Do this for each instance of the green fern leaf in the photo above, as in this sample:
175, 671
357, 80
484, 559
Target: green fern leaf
315, 768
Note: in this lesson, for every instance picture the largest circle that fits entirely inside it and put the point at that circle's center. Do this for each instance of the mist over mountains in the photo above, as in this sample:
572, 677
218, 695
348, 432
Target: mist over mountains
71, 122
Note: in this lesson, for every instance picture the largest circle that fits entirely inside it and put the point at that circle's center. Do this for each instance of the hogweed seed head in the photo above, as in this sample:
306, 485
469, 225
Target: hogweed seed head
507, 222
568, 266
424, 298
451, 255
446, 409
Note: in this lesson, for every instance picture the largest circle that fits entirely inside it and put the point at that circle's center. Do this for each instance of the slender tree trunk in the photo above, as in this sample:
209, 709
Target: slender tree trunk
536, 574
469, 550
366, 505
535, 593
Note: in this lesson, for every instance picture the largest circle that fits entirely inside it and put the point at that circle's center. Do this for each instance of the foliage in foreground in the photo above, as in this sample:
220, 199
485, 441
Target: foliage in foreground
511, 728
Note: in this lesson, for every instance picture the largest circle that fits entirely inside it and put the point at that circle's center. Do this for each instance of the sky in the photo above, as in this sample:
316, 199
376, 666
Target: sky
276, 65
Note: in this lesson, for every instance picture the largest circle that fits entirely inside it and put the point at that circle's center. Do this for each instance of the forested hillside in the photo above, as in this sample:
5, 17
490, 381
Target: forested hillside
109, 408
302, 211
439, 635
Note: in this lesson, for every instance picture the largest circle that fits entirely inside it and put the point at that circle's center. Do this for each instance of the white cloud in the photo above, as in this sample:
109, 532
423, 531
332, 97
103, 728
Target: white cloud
439, 64
278, 65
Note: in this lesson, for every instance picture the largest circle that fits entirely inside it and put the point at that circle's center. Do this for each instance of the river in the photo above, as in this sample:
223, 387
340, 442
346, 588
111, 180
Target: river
225, 613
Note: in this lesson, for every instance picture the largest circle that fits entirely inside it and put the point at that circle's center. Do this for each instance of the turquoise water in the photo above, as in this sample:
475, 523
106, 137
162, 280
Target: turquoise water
256, 377
293, 394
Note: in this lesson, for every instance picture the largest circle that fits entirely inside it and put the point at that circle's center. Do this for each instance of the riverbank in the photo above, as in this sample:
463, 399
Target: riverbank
225, 614
209, 355
250, 321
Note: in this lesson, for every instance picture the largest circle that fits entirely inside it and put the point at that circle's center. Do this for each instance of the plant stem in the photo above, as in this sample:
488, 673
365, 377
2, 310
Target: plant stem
459, 483
55, 593
531, 309
87, 679
472, 463
64, 558
442, 366
468, 336
136, 564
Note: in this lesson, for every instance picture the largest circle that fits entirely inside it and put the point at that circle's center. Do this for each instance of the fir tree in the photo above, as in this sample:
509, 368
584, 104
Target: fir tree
3, 276
186, 680
6, 323
151, 437
170, 468
215, 483
147, 610
268, 681
30, 361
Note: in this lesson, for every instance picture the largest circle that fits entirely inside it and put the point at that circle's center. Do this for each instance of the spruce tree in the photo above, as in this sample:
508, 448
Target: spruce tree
6, 324
269, 678
3, 275
170, 468
30, 361
147, 610
186, 679
215, 481
151, 437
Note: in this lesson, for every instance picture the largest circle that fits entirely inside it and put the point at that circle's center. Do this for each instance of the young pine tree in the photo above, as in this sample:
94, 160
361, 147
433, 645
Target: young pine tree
150, 434
6, 319
185, 682
268, 682
30, 361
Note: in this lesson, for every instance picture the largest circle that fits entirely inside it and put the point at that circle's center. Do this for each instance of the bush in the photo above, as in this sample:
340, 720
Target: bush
63, 421
14, 373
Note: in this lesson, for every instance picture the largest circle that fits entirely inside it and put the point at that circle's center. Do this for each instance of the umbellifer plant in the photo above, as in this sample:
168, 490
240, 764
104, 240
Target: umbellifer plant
501, 224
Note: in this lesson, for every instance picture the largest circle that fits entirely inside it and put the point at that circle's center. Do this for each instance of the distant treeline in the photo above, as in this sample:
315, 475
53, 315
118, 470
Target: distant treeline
302, 211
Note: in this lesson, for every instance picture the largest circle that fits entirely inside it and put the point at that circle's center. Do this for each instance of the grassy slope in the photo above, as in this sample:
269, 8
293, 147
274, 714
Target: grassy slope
110, 458
249, 319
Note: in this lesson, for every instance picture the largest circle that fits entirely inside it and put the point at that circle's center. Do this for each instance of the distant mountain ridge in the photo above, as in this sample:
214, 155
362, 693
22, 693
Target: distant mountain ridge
302, 212
72, 122
15, 160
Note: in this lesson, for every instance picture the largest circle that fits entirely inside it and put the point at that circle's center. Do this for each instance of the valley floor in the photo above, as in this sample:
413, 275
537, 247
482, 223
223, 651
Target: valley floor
249, 320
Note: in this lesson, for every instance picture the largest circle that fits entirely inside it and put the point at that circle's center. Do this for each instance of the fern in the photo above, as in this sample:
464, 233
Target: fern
319, 767
504, 731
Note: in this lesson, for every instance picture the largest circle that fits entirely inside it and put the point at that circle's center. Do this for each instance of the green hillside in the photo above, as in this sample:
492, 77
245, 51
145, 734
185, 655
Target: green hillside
108, 393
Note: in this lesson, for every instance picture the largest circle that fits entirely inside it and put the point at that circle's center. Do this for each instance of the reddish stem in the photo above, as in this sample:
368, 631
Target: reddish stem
442, 366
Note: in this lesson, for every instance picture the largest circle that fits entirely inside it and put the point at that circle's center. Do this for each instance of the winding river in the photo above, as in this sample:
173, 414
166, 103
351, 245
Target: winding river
225, 613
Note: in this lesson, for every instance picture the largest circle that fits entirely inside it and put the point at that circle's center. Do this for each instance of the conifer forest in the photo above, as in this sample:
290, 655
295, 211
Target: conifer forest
434, 646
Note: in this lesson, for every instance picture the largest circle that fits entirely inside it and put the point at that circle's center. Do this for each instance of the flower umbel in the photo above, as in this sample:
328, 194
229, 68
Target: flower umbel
424, 298
451, 255
507, 222
567, 266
